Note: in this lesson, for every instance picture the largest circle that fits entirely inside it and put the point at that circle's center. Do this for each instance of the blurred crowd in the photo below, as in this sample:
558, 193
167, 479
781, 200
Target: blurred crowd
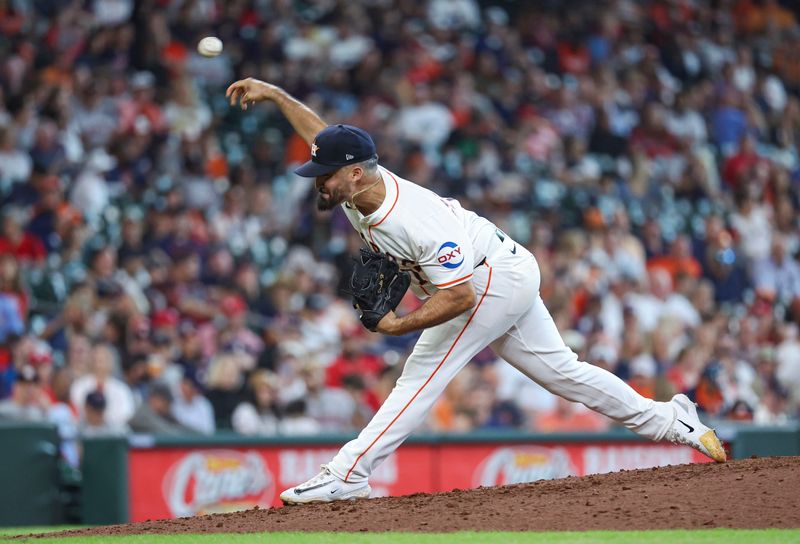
163, 270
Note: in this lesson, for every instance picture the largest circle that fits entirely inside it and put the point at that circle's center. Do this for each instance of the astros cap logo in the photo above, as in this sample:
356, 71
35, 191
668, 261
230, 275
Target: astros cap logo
336, 146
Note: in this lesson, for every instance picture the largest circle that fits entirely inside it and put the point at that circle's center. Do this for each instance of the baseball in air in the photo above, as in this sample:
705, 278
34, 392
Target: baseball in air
210, 46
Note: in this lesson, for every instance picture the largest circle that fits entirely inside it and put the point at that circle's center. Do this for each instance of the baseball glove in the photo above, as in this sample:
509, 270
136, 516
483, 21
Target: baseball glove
377, 285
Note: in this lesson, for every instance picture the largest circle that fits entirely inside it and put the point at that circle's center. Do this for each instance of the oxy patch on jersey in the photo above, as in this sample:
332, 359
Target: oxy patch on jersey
450, 255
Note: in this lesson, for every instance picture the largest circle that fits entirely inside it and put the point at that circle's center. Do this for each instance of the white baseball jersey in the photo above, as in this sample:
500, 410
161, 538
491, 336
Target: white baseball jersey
436, 240
443, 245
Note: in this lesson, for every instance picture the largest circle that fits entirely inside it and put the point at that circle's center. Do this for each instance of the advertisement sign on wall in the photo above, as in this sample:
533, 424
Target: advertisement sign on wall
217, 480
175, 482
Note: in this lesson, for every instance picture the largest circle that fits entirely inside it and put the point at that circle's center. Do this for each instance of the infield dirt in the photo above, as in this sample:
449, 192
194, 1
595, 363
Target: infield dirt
750, 493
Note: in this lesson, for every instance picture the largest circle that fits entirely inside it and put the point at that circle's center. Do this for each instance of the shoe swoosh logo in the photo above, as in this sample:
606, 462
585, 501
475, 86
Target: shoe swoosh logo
334, 491
691, 429
298, 491
514, 251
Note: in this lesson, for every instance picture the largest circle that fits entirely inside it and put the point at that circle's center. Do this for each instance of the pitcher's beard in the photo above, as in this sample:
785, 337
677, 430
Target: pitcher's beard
325, 204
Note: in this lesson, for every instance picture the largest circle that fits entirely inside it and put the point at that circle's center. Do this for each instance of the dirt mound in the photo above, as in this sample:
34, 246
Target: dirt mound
751, 493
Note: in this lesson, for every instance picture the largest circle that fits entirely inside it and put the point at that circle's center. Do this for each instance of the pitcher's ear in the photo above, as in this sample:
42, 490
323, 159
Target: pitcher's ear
356, 173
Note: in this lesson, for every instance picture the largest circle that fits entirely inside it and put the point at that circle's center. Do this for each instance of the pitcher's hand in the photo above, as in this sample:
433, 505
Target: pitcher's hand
249, 91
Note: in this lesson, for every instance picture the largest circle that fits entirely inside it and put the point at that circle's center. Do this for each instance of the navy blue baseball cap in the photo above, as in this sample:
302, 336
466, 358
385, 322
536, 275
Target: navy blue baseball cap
336, 146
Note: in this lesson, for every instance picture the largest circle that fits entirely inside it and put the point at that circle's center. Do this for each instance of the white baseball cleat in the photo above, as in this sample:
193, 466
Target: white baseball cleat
325, 487
687, 429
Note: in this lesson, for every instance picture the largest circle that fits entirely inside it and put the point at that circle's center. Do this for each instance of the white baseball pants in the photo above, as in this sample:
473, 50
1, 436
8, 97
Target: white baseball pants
510, 317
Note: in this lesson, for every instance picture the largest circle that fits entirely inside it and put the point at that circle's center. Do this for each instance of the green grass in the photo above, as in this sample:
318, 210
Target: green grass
726, 536
11, 531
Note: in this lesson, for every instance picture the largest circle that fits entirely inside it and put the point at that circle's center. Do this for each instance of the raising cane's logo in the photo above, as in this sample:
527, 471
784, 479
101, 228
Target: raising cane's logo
217, 481
523, 464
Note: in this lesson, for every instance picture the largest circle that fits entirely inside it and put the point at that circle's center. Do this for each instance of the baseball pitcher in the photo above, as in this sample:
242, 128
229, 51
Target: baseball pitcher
480, 288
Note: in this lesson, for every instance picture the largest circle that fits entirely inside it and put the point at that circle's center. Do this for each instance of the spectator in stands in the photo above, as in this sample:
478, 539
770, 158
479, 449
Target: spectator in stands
777, 278
724, 268
424, 121
48, 153
603, 140
15, 165
728, 123
363, 400
190, 408
120, 405
260, 415
138, 336
332, 406
141, 115
320, 326
296, 421
190, 347
684, 374
739, 168
235, 335
25, 246
773, 408
752, 223
504, 415
354, 360
661, 302
679, 260
28, 402
94, 421
651, 138
685, 122
155, 414
226, 388
64, 417
137, 375
51, 207
78, 356
787, 354
13, 300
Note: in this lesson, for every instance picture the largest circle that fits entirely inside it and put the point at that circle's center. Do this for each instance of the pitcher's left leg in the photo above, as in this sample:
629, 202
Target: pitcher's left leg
441, 352
535, 347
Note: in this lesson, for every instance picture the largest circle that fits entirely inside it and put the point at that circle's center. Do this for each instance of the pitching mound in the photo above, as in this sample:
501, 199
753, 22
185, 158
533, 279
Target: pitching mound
752, 493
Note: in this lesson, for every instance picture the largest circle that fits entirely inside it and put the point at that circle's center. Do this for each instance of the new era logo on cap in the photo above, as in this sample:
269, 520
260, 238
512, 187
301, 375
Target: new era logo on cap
336, 146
